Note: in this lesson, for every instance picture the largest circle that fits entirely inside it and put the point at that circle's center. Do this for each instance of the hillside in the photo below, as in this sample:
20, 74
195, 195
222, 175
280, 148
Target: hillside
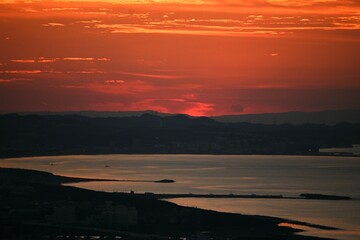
298, 118
73, 134
328, 117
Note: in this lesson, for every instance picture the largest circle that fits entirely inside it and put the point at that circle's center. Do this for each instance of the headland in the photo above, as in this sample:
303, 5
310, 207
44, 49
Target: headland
42, 208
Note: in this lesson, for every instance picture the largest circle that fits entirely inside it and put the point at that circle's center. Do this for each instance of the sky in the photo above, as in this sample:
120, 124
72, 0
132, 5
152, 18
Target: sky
199, 57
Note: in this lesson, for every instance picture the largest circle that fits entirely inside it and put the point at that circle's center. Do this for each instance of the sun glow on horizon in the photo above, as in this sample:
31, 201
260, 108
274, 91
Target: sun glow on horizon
196, 57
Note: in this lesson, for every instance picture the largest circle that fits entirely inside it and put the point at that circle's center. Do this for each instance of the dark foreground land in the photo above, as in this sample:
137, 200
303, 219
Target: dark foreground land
34, 205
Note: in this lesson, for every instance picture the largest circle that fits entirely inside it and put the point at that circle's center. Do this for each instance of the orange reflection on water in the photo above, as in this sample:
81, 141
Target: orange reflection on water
294, 226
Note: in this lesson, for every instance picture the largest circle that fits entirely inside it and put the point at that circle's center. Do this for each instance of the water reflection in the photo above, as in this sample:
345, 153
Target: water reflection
272, 175
340, 214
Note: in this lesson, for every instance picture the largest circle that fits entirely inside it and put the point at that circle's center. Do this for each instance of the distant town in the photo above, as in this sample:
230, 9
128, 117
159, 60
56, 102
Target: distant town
36, 135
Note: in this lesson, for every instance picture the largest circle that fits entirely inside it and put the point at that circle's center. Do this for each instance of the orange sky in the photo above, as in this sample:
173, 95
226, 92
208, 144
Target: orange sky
201, 57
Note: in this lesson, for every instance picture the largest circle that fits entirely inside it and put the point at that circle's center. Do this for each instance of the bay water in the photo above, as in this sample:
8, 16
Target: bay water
226, 174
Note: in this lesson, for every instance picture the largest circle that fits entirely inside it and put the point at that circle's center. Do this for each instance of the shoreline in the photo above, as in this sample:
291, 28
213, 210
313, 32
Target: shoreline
59, 179
306, 196
162, 153
42, 189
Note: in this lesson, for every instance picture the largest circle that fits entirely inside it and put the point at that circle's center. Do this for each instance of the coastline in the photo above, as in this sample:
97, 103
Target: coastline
52, 193
171, 153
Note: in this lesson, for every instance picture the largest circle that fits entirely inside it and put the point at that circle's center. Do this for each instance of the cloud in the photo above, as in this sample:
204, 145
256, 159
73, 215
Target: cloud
9, 80
269, 18
46, 60
50, 60
115, 81
200, 109
286, 3
282, 3
53, 25
271, 54
147, 75
7, 1
23, 61
94, 71
250, 25
36, 60
85, 72
119, 55
84, 59
61, 9
89, 21
78, 59
200, 30
302, 3
22, 71
175, 105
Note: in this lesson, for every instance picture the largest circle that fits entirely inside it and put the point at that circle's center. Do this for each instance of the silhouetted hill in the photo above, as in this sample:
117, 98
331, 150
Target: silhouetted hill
329, 117
73, 134
324, 117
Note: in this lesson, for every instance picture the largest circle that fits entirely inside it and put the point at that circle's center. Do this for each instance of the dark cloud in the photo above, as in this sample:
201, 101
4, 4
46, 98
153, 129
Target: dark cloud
237, 108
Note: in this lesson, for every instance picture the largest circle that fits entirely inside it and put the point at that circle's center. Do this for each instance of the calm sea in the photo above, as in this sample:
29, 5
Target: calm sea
239, 174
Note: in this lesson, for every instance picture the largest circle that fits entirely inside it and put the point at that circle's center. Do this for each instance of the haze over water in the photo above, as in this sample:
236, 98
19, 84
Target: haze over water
217, 174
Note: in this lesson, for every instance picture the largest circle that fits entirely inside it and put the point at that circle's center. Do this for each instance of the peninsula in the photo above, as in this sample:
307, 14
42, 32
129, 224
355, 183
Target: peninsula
47, 210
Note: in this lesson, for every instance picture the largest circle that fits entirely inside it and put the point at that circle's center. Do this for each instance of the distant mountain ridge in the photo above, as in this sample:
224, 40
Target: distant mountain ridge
35, 135
328, 117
